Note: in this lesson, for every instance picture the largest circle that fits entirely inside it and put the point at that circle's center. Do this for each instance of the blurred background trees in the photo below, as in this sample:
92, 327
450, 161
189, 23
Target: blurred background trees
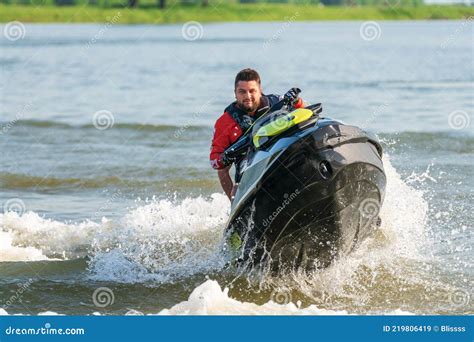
204, 3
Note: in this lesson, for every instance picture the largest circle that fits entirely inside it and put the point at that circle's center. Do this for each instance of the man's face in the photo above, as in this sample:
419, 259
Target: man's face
248, 95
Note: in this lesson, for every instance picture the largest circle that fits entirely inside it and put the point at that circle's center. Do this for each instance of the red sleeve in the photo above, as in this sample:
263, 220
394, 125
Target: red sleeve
220, 142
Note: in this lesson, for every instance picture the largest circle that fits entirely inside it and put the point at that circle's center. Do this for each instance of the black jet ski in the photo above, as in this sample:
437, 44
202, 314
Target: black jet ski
310, 189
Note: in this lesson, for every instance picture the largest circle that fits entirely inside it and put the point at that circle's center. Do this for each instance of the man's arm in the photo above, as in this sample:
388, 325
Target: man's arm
220, 142
226, 181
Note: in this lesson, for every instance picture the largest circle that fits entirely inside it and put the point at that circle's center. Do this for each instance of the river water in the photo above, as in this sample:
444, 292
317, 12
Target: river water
109, 204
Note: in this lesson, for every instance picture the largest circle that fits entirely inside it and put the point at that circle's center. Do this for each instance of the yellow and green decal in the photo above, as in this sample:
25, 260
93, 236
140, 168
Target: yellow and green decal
281, 124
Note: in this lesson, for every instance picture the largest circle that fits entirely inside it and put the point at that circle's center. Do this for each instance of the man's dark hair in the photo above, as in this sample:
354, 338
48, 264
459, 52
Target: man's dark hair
247, 75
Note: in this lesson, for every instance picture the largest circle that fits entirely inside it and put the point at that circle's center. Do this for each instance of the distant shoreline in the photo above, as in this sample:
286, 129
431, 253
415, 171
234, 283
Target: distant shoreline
227, 13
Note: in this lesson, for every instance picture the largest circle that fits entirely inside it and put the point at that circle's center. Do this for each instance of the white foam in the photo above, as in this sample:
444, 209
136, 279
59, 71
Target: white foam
31, 235
209, 299
49, 313
354, 280
404, 215
9, 252
164, 239
157, 241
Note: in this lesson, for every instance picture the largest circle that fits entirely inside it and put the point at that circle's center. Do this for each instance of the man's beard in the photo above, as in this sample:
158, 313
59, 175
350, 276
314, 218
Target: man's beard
247, 107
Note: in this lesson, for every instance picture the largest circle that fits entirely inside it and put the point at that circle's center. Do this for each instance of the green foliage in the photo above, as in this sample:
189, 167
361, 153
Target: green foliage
102, 10
197, 3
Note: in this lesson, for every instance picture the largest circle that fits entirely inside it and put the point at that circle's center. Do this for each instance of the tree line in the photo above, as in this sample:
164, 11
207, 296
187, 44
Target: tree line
162, 4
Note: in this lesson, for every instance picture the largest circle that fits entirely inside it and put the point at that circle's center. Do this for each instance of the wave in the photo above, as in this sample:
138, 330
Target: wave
440, 137
12, 271
24, 181
210, 299
429, 142
428, 84
161, 238
10, 252
403, 213
87, 43
421, 136
31, 237
401, 84
177, 231
116, 126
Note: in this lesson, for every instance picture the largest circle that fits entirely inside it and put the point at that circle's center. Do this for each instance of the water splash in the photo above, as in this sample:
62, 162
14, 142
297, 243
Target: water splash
163, 240
52, 239
168, 240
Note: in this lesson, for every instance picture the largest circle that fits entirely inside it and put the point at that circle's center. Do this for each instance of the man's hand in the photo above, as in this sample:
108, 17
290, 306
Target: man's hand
226, 160
292, 95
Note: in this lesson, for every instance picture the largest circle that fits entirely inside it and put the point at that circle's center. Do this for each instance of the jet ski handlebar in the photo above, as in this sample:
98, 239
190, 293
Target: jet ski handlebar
291, 96
236, 150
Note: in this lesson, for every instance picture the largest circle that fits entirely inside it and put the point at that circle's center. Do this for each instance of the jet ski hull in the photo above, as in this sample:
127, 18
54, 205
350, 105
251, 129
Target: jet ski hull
308, 199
